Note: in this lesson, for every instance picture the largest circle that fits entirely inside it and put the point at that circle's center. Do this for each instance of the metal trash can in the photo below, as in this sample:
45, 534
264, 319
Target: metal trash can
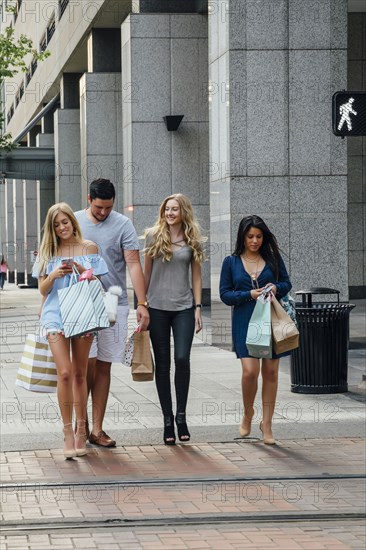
320, 363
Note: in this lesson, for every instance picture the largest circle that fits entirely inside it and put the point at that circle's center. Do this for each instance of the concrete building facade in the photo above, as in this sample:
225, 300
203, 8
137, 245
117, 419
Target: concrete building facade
254, 81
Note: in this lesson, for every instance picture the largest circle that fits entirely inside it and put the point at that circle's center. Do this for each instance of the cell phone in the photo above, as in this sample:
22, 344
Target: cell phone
67, 261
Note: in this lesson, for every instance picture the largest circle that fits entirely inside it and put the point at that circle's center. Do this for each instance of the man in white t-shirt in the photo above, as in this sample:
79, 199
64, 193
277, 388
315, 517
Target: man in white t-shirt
118, 244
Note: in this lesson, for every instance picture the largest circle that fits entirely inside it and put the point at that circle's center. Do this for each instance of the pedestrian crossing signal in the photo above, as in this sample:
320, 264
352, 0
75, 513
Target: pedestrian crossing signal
349, 114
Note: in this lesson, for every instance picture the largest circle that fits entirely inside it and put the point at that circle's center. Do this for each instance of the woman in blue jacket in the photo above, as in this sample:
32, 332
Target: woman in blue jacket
255, 263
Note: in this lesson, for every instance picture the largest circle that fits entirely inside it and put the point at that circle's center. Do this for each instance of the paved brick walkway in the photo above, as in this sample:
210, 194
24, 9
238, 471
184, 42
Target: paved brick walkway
306, 536
242, 458
146, 503
214, 483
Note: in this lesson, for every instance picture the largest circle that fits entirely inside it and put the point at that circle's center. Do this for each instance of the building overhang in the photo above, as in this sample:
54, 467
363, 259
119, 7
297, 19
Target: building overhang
28, 163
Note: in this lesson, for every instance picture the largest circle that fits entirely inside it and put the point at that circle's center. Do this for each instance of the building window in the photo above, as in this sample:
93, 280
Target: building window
10, 114
19, 94
51, 29
28, 77
62, 4
34, 66
43, 43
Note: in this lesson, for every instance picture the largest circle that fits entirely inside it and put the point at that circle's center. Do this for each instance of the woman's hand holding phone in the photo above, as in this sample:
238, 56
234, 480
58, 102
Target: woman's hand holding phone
65, 268
255, 293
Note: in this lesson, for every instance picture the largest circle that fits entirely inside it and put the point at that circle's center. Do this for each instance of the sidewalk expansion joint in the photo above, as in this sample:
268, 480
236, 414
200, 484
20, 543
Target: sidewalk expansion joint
204, 519
175, 481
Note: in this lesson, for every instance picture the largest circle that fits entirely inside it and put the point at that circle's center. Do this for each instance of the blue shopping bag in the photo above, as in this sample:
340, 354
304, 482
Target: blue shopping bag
259, 336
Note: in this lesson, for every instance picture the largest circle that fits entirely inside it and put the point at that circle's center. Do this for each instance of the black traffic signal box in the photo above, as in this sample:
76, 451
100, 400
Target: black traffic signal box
349, 113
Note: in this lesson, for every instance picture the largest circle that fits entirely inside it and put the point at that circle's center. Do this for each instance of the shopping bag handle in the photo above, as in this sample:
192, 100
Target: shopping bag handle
136, 329
102, 287
74, 276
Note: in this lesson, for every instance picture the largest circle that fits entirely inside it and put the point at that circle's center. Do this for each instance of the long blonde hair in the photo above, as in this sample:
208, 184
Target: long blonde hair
50, 242
159, 237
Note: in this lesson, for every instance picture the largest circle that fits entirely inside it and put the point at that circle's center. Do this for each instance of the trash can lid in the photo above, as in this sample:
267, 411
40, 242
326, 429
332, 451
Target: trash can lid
318, 290
306, 294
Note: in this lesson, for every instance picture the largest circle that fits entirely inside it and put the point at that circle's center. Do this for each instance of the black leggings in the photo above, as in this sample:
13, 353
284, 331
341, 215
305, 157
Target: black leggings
183, 324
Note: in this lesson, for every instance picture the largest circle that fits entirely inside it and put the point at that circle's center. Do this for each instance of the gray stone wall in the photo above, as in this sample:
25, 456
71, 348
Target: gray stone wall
273, 69
164, 72
357, 161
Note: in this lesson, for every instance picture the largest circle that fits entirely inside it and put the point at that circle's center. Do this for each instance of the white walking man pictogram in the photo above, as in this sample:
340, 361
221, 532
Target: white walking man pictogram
345, 110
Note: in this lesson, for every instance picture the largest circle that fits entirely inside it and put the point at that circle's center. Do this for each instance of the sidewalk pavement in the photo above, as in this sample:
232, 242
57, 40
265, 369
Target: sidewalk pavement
215, 404
308, 491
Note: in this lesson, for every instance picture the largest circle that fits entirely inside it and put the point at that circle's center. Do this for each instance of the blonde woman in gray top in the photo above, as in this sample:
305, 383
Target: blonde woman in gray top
173, 258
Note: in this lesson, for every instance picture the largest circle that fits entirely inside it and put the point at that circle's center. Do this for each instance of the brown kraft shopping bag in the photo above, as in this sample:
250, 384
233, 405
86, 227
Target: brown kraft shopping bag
284, 331
142, 367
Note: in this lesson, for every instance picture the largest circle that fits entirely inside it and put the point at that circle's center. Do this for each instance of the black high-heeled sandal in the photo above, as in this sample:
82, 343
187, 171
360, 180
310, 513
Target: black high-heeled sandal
169, 433
183, 433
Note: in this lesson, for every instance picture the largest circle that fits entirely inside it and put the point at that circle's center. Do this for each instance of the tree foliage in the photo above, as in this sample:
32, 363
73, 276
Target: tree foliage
13, 52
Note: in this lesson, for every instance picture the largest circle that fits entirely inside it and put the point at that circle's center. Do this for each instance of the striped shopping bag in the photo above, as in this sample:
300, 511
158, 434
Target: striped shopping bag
37, 370
82, 308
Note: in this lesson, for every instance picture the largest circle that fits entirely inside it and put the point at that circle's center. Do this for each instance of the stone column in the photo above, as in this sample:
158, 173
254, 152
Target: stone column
67, 157
32, 136
172, 6
273, 69
47, 124
69, 91
104, 51
2, 217
67, 143
10, 236
101, 128
46, 187
20, 245
164, 72
31, 228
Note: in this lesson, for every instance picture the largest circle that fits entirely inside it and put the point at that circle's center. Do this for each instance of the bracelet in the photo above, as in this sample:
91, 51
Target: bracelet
198, 305
145, 304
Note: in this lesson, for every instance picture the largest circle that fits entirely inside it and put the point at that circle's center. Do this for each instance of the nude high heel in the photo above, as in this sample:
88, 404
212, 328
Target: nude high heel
69, 442
245, 431
266, 440
80, 438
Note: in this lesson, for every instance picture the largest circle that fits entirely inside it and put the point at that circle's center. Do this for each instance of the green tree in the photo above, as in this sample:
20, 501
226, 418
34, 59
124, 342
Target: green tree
12, 55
